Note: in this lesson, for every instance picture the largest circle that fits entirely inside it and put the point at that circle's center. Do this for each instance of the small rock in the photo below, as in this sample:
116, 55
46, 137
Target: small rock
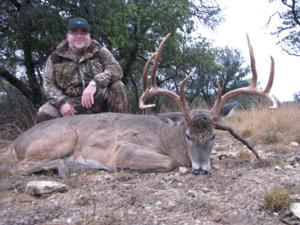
131, 212
183, 170
205, 190
171, 204
278, 168
38, 188
295, 209
147, 207
296, 196
191, 193
158, 203
108, 177
294, 144
293, 159
288, 167
69, 220
216, 167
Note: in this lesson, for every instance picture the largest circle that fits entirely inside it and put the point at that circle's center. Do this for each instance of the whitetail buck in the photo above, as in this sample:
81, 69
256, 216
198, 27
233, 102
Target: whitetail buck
140, 142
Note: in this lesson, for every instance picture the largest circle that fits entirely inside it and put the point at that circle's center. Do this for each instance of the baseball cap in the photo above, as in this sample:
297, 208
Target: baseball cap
78, 22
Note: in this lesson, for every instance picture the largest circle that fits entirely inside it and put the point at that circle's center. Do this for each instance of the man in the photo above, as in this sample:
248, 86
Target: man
81, 76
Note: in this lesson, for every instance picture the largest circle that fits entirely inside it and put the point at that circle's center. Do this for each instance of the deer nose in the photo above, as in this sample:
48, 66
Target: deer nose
199, 171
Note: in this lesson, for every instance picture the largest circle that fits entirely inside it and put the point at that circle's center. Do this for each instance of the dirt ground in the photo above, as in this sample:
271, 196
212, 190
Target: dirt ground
232, 193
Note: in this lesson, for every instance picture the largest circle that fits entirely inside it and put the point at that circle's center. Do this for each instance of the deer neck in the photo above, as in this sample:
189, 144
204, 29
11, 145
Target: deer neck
173, 143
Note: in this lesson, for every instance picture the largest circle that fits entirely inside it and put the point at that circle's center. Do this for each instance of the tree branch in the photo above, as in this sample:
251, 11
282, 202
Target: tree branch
18, 84
238, 137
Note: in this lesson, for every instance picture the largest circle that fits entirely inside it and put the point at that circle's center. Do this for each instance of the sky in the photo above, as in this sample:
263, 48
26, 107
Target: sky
251, 16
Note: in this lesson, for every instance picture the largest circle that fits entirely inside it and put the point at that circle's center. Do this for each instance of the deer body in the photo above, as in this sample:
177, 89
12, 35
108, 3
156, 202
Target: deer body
102, 141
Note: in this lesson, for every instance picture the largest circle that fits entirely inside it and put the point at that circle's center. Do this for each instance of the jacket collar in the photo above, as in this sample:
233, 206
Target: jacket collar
63, 50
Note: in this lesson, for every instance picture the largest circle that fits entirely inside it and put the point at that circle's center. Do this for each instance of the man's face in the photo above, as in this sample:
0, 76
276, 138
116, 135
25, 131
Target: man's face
79, 38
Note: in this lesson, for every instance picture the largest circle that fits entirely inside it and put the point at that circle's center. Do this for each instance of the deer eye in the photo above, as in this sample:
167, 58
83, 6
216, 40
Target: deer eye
188, 136
213, 137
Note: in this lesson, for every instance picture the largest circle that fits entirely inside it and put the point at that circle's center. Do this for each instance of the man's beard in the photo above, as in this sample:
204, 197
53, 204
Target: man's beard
79, 45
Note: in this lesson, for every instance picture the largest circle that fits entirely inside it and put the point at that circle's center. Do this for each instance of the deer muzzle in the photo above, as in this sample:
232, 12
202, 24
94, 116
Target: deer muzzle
199, 171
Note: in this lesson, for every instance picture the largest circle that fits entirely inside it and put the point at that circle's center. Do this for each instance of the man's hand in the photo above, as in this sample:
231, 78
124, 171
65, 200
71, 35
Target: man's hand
87, 98
67, 110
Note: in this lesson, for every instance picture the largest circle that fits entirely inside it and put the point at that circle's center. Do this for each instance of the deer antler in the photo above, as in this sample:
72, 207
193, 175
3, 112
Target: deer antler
155, 90
250, 90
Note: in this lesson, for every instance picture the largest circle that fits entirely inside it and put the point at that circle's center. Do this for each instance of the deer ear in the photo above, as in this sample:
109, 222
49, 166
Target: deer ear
228, 108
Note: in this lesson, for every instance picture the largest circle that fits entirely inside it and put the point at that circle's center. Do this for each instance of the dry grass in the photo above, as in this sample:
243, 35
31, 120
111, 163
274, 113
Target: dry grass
266, 126
245, 155
276, 199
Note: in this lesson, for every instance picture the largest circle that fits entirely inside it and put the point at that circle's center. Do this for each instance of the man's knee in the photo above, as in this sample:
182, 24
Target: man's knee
47, 112
117, 101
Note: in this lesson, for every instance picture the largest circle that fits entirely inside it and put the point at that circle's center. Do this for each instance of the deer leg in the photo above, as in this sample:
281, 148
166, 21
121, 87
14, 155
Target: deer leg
47, 145
29, 167
140, 158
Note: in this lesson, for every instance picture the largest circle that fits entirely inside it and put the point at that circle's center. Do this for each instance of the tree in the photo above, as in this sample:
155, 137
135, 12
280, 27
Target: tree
27, 37
289, 29
297, 97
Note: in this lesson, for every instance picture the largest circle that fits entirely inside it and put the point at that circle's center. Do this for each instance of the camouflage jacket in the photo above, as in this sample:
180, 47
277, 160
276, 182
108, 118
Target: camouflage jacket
66, 75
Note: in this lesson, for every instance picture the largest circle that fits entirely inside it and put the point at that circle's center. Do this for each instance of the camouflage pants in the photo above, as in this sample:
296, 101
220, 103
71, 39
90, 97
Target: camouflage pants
110, 99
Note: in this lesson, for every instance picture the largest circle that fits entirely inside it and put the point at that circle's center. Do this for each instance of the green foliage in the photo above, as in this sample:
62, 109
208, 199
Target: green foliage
288, 29
297, 97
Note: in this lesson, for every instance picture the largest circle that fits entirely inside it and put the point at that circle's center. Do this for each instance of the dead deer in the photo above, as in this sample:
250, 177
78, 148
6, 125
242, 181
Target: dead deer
109, 141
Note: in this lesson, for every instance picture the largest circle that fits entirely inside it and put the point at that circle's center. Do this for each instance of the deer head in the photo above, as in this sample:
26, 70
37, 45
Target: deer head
199, 124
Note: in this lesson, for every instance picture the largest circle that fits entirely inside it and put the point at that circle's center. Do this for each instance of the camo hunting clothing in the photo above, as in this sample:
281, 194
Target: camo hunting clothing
66, 76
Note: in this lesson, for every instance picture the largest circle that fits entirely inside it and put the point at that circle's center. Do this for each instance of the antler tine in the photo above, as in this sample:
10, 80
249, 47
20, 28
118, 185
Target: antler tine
271, 76
184, 105
250, 90
145, 71
156, 60
252, 61
218, 104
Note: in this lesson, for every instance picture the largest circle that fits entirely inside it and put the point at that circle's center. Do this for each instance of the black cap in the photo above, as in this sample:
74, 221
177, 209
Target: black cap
78, 22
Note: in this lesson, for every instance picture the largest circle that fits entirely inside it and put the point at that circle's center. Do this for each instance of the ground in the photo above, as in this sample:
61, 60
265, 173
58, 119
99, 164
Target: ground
232, 193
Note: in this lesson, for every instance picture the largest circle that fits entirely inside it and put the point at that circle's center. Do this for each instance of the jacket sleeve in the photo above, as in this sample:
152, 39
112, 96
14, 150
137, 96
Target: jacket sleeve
112, 69
54, 95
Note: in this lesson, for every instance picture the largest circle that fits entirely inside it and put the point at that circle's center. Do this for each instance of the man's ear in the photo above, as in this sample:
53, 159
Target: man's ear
228, 108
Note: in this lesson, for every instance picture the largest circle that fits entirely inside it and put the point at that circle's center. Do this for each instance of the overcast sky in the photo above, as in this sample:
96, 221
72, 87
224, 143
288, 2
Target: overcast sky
251, 16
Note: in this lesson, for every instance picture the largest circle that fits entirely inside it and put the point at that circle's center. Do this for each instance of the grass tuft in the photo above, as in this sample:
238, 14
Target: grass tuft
245, 155
276, 199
